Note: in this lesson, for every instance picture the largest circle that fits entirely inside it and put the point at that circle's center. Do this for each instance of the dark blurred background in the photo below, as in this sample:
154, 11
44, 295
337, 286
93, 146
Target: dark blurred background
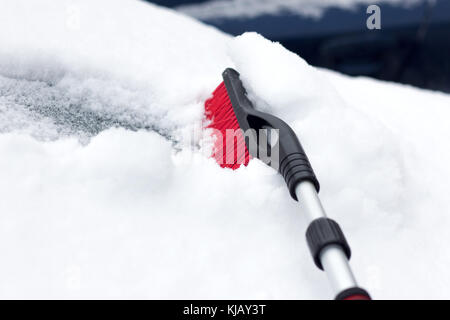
412, 47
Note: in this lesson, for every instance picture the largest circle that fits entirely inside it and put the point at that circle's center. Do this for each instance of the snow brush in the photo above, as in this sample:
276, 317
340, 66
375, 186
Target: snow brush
242, 133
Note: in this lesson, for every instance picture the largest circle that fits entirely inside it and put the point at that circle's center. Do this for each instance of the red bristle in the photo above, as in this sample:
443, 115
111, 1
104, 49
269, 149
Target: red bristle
219, 111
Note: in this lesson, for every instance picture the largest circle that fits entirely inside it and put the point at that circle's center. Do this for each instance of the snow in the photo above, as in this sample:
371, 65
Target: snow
104, 194
232, 9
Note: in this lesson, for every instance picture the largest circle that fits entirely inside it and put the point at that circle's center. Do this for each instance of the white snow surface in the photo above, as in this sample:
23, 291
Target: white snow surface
102, 198
213, 9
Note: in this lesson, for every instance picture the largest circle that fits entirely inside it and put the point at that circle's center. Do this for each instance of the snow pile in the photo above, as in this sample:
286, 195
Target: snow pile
102, 198
214, 9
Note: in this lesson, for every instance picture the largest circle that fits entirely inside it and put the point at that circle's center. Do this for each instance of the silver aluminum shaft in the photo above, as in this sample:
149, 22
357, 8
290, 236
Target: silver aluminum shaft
332, 257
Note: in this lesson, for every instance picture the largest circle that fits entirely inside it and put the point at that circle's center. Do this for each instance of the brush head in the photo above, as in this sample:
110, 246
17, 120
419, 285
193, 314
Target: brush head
241, 133
230, 150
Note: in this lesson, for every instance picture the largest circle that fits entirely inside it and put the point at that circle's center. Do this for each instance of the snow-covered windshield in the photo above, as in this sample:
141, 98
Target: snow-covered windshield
102, 197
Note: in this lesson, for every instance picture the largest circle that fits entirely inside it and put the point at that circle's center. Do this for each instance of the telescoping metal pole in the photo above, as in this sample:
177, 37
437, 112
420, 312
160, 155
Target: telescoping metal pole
328, 245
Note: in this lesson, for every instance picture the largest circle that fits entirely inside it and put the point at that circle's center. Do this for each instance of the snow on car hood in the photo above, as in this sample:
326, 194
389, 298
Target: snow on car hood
103, 198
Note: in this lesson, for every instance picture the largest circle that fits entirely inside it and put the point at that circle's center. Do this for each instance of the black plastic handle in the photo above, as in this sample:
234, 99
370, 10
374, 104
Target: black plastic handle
293, 164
